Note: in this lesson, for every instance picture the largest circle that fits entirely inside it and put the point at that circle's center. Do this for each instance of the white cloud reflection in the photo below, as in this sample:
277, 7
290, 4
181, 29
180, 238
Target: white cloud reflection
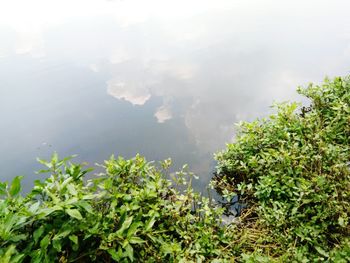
163, 114
134, 93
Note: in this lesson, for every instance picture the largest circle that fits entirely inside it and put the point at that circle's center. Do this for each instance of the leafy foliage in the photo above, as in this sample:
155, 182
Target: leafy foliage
131, 212
292, 170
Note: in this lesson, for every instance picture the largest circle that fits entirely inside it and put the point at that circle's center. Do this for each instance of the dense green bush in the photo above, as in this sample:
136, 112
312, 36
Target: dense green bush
292, 171
131, 212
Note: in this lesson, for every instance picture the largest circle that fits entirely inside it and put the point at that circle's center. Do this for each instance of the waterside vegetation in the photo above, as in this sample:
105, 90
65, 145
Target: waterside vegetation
290, 171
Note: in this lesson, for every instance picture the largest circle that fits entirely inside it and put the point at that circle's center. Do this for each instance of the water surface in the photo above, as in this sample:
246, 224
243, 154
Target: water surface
161, 78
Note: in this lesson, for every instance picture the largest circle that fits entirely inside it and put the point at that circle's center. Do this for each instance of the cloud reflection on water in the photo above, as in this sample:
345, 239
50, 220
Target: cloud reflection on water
134, 93
177, 72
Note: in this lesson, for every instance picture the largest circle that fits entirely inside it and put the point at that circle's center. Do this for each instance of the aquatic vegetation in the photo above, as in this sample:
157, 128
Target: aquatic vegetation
292, 171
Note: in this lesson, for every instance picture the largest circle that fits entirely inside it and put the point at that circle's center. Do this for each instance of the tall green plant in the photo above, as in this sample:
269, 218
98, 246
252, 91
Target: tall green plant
292, 169
130, 212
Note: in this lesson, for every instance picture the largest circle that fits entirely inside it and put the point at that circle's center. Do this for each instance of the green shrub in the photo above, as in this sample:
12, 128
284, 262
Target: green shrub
292, 170
130, 212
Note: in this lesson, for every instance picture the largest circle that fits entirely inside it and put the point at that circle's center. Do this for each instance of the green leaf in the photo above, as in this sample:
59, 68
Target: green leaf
57, 245
45, 242
133, 228
62, 234
136, 240
3, 187
72, 190
321, 251
154, 240
150, 223
15, 186
343, 221
16, 238
74, 239
113, 253
47, 211
37, 233
125, 225
74, 213
129, 251
43, 171
117, 256
44, 162
6, 258
86, 206
54, 158
18, 258
34, 207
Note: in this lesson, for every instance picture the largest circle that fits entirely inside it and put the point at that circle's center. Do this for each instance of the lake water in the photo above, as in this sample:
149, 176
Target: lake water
158, 77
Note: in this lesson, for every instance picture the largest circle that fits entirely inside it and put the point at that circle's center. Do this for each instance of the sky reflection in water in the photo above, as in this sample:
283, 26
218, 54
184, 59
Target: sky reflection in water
162, 78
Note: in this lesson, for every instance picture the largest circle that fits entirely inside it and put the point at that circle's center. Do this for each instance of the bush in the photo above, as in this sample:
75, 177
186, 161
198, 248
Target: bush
292, 172
131, 212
